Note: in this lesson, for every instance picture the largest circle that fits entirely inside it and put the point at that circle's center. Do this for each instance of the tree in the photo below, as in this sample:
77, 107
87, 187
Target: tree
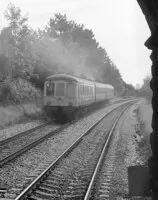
111, 75
146, 91
4, 67
18, 42
129, 90
59, 27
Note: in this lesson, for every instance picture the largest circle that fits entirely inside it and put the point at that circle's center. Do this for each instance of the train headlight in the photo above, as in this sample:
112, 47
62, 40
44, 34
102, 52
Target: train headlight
48, 103
70, 103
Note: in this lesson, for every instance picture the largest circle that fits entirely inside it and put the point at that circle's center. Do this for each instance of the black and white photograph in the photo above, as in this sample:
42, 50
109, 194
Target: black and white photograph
78, 100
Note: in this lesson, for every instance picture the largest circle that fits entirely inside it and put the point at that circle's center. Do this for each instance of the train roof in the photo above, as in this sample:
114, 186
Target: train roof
76, 79
68, 77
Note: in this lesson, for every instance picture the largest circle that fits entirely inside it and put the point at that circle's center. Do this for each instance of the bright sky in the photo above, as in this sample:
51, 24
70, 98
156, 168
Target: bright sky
119, 26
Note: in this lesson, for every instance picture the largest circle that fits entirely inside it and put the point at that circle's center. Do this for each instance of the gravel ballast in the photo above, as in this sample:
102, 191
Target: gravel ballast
127, 154
15, 174
18, 128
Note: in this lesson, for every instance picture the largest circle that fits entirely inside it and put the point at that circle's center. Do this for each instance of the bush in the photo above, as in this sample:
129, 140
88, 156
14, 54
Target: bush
18, 90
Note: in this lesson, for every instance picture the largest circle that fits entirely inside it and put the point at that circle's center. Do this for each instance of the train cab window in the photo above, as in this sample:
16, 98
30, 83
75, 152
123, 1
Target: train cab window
60, 89
83, 90
71, 90
50, 88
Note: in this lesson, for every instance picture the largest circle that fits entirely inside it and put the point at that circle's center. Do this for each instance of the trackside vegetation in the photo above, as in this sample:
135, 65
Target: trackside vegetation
28, 56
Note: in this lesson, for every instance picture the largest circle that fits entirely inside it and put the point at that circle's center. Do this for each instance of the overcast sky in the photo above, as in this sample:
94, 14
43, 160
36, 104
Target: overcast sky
119, 26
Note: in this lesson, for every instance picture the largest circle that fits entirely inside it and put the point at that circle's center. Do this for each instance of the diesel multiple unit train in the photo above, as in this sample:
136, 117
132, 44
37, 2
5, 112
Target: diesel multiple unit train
65, 94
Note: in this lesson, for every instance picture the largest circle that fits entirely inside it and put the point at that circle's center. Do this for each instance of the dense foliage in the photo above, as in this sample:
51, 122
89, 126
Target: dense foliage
62, 46
145, 90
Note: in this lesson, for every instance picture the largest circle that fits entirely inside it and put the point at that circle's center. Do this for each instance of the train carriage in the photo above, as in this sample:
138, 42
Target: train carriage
66, 94
103, 92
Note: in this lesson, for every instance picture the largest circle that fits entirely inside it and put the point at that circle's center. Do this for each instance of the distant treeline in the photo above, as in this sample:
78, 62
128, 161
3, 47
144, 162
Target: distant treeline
27, 56
145, 90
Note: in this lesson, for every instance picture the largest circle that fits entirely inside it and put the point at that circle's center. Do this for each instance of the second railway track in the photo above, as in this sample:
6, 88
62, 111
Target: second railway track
16, 145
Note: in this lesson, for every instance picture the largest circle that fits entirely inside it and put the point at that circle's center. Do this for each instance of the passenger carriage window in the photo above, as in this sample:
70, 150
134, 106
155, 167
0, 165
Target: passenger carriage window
50, 88
60, 89
83, 90
80, 91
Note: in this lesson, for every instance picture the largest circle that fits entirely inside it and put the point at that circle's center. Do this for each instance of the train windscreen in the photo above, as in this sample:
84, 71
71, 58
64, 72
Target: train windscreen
50, 88
60, 88
71, 90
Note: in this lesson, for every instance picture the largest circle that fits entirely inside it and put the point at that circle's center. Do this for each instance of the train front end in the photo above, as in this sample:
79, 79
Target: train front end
60, 96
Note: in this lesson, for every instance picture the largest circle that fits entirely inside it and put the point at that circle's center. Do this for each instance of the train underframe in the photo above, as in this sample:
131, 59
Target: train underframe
62, 114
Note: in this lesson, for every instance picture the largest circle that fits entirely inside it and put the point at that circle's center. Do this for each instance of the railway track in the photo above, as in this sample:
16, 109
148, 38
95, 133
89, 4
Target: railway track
72, 175
2, 142
18, 144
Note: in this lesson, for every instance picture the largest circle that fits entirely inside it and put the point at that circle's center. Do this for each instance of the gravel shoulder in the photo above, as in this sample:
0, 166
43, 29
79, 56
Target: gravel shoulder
132, 148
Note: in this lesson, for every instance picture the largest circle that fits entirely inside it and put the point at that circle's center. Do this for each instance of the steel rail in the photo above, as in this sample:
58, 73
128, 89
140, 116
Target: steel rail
33, 144
100, 160
46, 172
9, 139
